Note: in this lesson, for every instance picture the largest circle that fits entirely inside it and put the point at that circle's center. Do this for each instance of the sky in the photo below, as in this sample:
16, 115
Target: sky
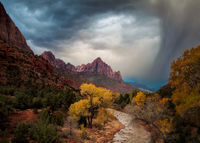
140, 38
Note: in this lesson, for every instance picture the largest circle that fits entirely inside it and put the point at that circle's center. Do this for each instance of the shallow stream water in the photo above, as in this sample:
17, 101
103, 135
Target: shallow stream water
132, 133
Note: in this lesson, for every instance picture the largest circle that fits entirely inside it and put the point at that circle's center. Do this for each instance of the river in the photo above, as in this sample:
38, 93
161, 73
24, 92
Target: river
132, 133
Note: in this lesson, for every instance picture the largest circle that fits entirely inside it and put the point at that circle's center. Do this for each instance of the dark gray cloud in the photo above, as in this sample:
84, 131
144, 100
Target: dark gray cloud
63, 18
120, 31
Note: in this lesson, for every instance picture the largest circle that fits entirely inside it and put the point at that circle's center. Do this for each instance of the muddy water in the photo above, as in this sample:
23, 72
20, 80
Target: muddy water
132, 133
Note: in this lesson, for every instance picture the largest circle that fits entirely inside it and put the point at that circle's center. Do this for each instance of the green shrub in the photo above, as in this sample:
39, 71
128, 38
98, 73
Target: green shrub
5, 108
23, 100
54, 101
47, 134
35, 97
43, 133
48, 116
37, 102
35, 110
45, 116
8, 90
68, 98
37, 132
123, 100
20, 135
4, 136
58, 118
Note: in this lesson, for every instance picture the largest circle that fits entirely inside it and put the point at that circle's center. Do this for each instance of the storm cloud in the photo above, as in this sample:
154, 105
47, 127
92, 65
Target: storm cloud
138, 37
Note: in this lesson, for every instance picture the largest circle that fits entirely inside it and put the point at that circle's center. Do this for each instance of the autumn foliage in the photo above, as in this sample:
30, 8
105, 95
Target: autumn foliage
96, 101
140, 98
185, 78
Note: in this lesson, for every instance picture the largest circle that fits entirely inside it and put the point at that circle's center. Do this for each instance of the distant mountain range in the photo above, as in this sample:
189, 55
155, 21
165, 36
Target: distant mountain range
97, 72
139, 85
20, 67
97, 67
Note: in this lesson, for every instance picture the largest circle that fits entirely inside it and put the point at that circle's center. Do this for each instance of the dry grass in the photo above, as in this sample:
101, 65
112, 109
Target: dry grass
97, 134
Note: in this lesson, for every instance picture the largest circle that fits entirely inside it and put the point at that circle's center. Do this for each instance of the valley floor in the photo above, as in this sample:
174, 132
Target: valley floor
119, 130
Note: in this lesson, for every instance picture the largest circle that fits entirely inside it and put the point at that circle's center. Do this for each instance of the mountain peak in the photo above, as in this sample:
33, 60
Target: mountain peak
58, 63
2, 8
99, 67
97, 72
10, 33
48, 55
98, 59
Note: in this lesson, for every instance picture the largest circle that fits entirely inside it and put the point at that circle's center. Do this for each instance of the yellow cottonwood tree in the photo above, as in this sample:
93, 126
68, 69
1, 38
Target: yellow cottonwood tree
104, 95
103, 115
79, 109
140, 98
96, 98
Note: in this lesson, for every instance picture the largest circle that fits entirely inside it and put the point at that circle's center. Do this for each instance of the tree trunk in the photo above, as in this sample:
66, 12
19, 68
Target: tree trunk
70, 130
89, 122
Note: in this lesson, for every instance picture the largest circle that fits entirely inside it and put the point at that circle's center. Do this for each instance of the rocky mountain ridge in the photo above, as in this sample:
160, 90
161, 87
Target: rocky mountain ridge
97, 67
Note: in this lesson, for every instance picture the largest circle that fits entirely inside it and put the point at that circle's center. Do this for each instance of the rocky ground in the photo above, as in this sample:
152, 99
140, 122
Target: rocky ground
96, 134
106, 134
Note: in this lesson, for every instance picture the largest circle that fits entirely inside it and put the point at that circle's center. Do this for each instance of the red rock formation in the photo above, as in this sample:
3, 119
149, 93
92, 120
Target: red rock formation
69, 67
10, 33
97, 72
21, 68
58, 63
98, 67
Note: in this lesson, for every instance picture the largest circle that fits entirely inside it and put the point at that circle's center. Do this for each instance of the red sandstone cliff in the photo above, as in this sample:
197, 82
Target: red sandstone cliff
10, 33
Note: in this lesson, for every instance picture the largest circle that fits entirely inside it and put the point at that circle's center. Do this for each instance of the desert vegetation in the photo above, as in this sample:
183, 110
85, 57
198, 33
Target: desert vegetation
54, 108
47, 103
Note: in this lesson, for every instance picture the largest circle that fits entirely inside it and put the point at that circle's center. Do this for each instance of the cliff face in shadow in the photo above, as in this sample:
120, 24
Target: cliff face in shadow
10, 33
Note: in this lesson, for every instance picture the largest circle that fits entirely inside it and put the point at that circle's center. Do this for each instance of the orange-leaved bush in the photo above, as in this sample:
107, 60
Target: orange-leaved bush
185, 78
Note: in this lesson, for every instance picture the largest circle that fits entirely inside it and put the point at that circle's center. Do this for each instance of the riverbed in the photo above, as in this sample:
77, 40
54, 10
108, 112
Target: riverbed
132, 133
